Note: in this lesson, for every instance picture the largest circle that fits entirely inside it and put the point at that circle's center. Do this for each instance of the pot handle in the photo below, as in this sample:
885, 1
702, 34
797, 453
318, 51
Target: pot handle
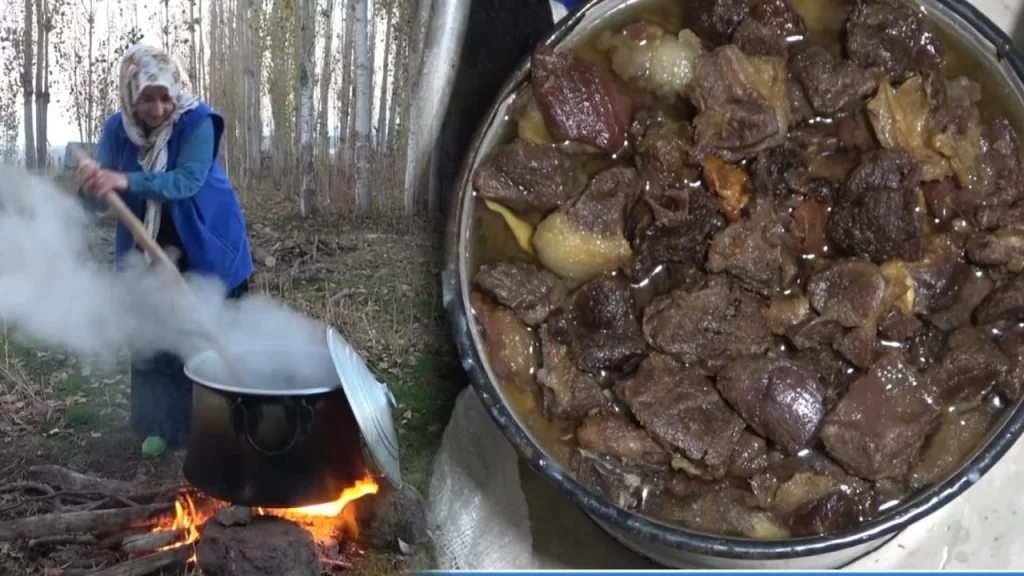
302, 418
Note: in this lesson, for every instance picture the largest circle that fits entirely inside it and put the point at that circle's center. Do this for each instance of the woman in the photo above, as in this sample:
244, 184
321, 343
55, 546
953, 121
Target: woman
159, 152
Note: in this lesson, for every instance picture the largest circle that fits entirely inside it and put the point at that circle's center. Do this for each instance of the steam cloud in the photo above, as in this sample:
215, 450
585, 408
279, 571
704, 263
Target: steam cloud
54, 292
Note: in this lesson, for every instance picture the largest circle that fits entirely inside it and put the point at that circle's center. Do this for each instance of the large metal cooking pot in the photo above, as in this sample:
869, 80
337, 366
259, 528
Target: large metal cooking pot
294, 435
672, 545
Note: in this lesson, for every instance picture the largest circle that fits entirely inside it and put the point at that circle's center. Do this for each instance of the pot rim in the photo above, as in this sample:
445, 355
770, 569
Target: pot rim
971, 26
193, 363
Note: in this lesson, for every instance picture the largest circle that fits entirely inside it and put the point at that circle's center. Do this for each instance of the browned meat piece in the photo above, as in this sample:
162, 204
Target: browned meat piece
749, 457
682, 410
759, 39
854, 131
832, 371
972, 288
1000, 178
663, 150
511, 347
530, 291
810, 226
877, 429
752, 252
1006, 302
892, 35
774, 172
926, 348
876, 217
602, 325
785, 312
708, 327
616, 435
579, 100
834, 512
830, 83
525, 176
937, 277
958, 434
858, 345
714, 21
1012, 386
730, 183
799, 488
780, 399
851, 292
799, 107
815, 332
743, 103
938, 196
586, 237
683, 220
726, 510
780, 15
900, 327
1003, 248
568, 391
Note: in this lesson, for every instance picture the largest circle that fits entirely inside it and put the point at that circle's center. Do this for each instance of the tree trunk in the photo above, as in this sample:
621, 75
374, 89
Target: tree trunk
42, 84
325, 84
363, 107
306, 171
385, 68
90, 107
414, 161
193, 63
27, 90
345, 148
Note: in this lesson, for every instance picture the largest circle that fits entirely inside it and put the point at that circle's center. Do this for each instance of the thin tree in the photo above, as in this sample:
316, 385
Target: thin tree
363, 107
307, 181
27, 89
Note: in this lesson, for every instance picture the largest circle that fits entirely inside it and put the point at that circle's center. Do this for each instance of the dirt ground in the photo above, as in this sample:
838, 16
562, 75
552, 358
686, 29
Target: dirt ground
379, 285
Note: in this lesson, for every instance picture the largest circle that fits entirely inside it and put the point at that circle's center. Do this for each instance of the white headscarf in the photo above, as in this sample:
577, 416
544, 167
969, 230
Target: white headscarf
144, 66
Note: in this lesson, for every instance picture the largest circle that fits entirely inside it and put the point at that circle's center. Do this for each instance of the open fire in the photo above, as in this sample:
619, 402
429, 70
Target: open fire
130, 530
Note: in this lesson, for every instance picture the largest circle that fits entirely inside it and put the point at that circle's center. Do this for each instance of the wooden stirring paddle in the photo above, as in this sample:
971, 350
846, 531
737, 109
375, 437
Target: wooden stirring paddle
141, 236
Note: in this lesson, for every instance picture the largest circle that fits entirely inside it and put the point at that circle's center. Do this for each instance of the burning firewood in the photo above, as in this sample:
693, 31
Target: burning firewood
145, 543
87, 521
148, 564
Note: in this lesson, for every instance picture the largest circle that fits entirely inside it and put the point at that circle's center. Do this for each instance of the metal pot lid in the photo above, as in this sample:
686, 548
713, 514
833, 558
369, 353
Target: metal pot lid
371, 403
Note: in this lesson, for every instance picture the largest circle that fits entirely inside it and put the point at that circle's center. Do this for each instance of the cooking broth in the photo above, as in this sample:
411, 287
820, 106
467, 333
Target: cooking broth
687, 489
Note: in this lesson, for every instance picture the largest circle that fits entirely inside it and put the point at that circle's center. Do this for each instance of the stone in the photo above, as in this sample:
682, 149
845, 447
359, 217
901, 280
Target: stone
266, 546
393, 519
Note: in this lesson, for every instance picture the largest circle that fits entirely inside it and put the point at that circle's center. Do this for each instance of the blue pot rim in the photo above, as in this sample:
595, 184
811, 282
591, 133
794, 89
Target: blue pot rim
654, 531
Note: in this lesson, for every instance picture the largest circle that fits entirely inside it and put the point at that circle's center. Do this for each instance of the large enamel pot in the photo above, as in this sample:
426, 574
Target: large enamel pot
672, 545
290, 441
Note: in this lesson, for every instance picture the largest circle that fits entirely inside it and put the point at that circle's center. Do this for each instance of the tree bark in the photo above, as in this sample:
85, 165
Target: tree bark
306, 169
27, 90
363, 107
325, 84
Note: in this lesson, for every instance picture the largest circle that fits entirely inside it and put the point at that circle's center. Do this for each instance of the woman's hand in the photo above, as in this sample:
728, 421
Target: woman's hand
98, 181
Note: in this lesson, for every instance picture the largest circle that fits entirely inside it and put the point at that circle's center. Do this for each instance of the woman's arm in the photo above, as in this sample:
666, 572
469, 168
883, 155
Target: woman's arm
194, 162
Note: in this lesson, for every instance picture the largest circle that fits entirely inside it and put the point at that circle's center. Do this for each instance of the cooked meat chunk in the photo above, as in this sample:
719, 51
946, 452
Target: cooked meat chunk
1006, 302
586, 238
774, 171
749, 457
778, 398
875, 217
1012, 386
708, 327
785, 312
580, 100
1001, 248
972, 366
743, 103
568, 391
878, 427
664, 149
601, 320
891, 35
714, 21
525, 176
830, 83
780, 15
530, 291
512, 347
684, 412
682, 222
958, 433
852, 292
759, 39
616, 435
752, 252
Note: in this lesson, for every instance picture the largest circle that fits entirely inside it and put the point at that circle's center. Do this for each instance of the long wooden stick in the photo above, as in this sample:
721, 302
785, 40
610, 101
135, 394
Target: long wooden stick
87, 522
148, 564
141, 236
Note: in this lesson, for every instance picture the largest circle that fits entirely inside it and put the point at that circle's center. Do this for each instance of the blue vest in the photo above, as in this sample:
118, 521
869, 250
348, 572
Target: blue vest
209, 223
